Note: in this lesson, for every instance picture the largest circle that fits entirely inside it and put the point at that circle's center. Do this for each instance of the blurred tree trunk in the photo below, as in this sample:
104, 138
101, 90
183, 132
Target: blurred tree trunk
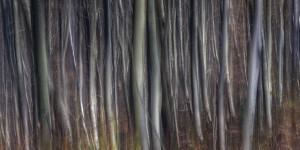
157, 74
138, 75
39, 33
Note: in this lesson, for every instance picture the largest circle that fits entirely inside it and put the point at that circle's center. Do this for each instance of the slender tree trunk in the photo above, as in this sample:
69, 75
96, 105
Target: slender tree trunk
74, 46
295, 34
223, 75
92, 72
138, 75
42, 72
155, 75
254, 65
226, 51
20, 75
267, 62
281, 49
81, 78
195, 71
203, 60
175, 65
108, 81
260, 98
62, 98
7, 14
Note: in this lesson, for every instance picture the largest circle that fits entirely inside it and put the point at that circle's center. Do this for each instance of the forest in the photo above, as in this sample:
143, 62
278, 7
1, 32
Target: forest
149, 74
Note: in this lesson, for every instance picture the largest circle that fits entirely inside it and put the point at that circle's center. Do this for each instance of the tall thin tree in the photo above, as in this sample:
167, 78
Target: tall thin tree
254, 67
20, 75
155, 74
92, 70
267, 64
195, 71
138, 75
203, 63
39, 33
108, 80
222, 78
281, 49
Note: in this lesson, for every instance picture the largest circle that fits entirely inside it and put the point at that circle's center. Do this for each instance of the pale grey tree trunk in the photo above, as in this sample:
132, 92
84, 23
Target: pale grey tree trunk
223, 75
281, 51
195, 72
155, 75
254, 67
92, 72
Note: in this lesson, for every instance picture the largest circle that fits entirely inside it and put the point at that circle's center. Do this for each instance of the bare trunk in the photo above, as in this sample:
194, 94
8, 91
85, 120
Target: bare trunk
42, 72
138, 74
108, 81
267, 64
281, 49
254, 65
195, 72
155, 75
21, 85
203, 59
92, 73
223, 75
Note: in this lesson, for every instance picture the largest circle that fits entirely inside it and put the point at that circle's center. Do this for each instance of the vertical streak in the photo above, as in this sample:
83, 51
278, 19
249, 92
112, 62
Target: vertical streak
281, 49
81, 82
108, 80
175, 62
195, 71
225, 57
92, 72
255, 49
21, 84
203, 59
138, 75
42, 72
267, 67
63, 104
223, 75
155, 75
295, 32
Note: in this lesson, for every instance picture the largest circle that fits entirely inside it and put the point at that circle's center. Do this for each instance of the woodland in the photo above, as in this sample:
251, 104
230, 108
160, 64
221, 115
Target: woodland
149, 74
